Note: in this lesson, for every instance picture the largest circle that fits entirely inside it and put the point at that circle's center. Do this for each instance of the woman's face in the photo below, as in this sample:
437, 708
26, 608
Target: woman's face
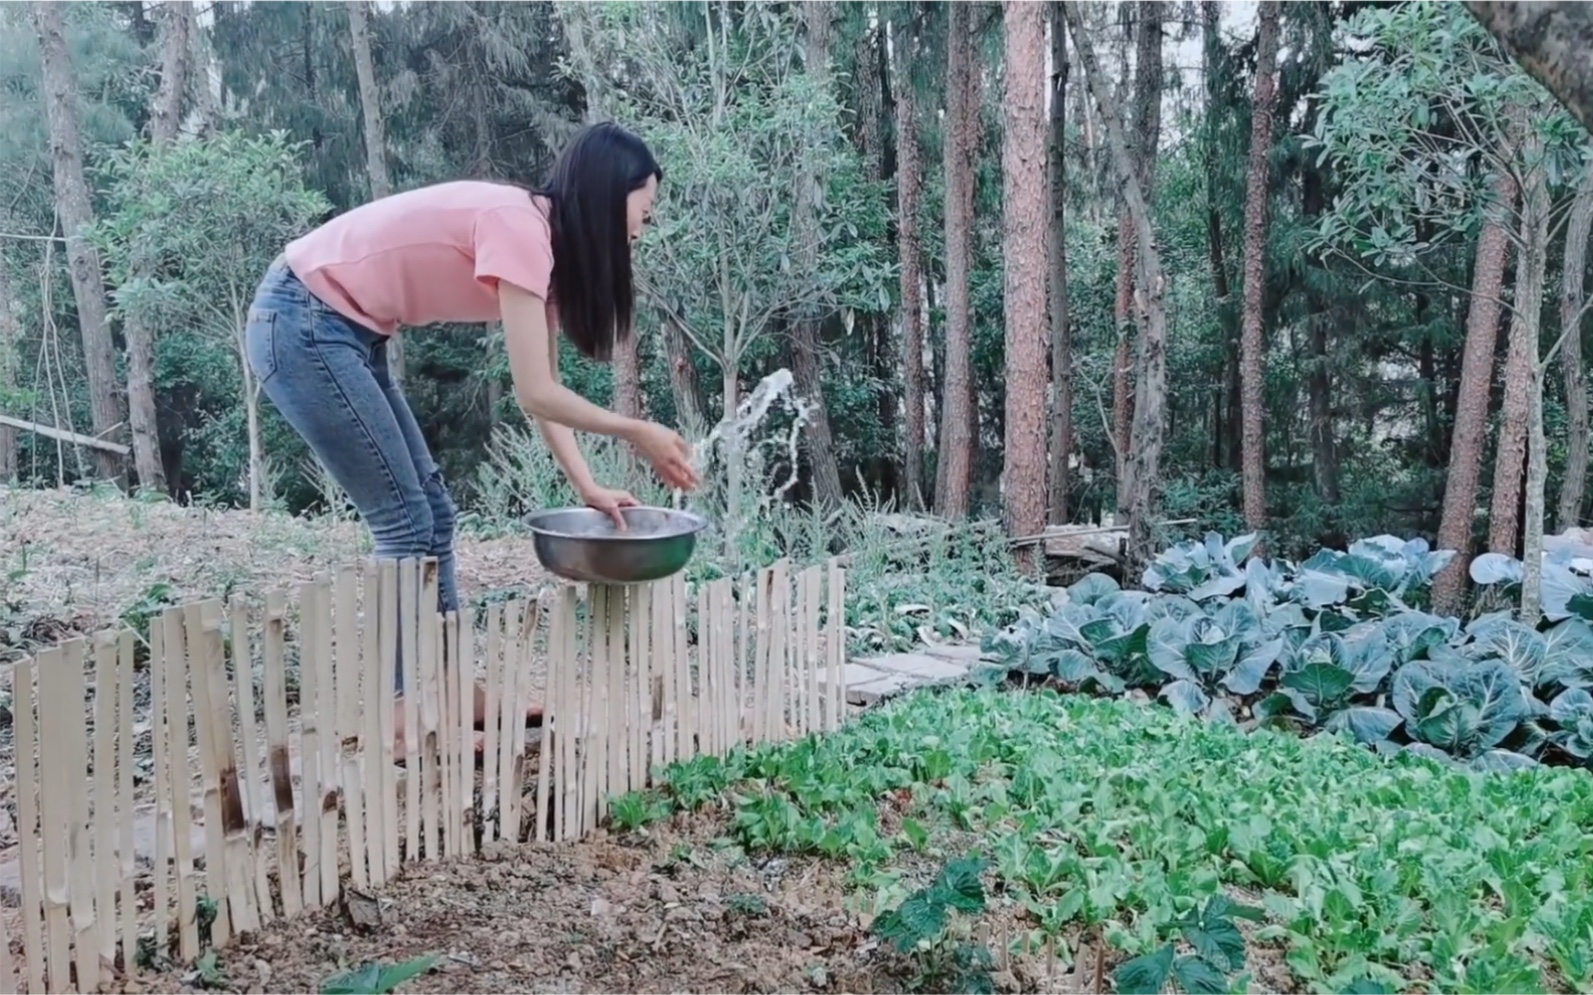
639, 207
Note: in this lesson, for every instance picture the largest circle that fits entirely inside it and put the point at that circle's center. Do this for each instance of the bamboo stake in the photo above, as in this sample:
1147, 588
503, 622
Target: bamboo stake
161, 869
641, 683
595, 728
324, 804
177, 711
67, 726
26, 751
432, 656
835, 645
276, 718
555, 724
464, 742
519, 627
778, 592
743, 657
125, 802
248, 733
410, 648
104, 822
310, 699
586, 728
55, 783
663, 645
546, 763
348, 676
615, 740
436, 727
375, 763
569, 717
730, 705
813, 669
797, 620
761, 658
215, 882
708, 669
235, 860
686, 704
491, 763
388, 668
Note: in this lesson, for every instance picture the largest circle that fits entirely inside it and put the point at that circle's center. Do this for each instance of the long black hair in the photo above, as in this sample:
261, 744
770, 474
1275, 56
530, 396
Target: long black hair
587, 191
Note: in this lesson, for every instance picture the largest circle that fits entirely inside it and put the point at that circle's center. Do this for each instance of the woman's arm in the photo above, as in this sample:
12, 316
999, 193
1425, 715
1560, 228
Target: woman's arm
536, 384
561, 439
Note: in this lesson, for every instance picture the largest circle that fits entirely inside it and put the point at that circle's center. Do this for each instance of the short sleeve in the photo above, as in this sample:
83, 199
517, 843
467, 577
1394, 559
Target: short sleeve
514, 244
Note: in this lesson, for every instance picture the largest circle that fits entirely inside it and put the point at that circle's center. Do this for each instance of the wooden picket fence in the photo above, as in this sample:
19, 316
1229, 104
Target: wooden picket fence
295, 802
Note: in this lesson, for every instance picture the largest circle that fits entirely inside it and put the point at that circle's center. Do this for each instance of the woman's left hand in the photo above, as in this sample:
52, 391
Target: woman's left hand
609, 502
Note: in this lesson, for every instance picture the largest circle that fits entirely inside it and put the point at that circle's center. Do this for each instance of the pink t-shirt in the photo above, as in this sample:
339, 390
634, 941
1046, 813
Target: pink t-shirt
434, 254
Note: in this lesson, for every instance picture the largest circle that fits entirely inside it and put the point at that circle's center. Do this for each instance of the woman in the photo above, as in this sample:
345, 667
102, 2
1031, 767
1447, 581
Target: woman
467, 251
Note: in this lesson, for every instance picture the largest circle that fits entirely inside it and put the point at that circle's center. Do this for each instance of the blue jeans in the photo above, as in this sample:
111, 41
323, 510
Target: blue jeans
328, 377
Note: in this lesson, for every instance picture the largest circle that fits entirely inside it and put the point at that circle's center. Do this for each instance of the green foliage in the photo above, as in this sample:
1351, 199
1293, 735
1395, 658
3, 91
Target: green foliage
1338, 643
1219, 951
1418, 127
1153, 827
923, 925
377, 979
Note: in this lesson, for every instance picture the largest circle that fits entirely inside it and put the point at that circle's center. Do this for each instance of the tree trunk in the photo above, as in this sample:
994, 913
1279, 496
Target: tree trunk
806, 363
1146, 131
691, 406
1252, 342
1061, 335
1528, 313
909, 195
359, 22
1471, 416
165, 120
1577, 232
1510, 454
955, 478
77, 212
1024, 221
10, 345
1551, 42
1150, 397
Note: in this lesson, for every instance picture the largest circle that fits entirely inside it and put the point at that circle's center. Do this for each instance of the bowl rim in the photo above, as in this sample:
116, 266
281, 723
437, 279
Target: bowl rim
696, 523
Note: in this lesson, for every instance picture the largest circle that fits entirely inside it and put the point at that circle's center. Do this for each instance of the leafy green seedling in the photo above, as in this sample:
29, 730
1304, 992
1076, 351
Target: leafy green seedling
920, 926
1219, 951
377, 979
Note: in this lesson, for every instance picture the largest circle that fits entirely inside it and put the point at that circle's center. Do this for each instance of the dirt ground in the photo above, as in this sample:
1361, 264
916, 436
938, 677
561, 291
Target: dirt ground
675, 910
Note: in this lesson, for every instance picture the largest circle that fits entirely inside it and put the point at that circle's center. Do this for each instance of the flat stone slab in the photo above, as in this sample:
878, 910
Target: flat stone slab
855, 673
965, 655
873, 692
926, 668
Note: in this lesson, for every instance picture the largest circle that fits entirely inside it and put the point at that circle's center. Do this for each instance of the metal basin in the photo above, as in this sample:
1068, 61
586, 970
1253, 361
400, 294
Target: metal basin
583, 545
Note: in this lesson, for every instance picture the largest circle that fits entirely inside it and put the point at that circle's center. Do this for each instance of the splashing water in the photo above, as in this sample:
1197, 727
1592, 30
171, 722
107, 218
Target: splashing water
750, 413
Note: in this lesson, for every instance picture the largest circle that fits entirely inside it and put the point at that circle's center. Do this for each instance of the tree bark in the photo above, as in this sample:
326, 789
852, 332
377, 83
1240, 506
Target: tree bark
1129, 361
1150, 396
1252, 341
1528, 313
1551, 41
1510, 453
1023, 212
1577, 231
1471, 415
165, 121
10, 343
1061, 335
359, 22
806, 363
955, 477
909, 197
76, 210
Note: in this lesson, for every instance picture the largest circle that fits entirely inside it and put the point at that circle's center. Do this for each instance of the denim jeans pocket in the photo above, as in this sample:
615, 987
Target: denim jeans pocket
260, 341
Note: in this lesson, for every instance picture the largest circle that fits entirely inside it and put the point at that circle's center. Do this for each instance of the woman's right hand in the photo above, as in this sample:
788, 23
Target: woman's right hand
668, 452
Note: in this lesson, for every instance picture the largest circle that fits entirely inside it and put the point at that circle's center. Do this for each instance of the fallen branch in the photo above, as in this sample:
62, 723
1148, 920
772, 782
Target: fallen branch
63, 435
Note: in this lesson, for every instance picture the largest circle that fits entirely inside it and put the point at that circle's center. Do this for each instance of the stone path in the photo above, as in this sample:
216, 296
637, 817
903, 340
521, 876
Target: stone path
871, 680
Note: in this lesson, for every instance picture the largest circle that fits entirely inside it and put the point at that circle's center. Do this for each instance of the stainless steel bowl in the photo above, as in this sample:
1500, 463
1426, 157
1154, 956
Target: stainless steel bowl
584, 545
